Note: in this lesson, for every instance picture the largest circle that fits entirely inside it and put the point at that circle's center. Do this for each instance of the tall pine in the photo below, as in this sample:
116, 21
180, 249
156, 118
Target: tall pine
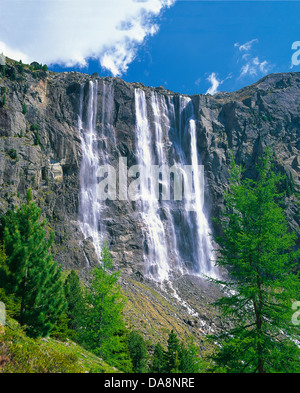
138, 351
173, 349
158, 361
103, 328
30, 272
75, 302
257, 249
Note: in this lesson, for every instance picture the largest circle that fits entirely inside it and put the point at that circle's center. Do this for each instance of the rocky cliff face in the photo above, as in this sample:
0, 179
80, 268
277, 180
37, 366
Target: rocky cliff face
41, 147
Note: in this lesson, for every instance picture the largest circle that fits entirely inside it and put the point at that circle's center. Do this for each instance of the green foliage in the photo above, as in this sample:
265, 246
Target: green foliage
288, 185
117, 352
75, 303
21, 68
189, 359
34, 127
172, 363
158, 360
257, 249
3, 102
24, 109
102, 323
12, 304
29, 272
180, 357
61, 329
27, 355
138, 352
13, 154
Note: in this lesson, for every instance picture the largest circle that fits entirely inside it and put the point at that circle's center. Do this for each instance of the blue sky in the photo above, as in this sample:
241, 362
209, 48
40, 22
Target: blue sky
187, 46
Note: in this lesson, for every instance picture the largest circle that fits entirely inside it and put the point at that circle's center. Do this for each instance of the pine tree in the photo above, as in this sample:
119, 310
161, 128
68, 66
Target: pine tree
75, 301
138, 352
117, 351
158, 362
30, 272
12, 304
189, 358
172, 353
103, 320
257, 249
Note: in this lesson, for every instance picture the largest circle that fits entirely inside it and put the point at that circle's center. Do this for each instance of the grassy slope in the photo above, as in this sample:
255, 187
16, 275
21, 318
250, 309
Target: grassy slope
20, 354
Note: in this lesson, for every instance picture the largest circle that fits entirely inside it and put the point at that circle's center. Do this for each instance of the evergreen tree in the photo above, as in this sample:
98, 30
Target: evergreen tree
13, 74
158, 362
256, 248
12, 304
172, 353
189, 358
117, 353
103, 320
75, 302
30, 272
138, 352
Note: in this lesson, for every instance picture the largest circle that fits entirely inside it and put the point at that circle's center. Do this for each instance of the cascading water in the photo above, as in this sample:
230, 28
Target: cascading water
155, 238
107, 129
183, 235
89, 206
176, 236
204, 246
194, 225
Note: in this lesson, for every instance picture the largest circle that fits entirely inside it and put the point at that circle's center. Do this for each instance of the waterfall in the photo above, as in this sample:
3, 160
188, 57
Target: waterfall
107, 130
181, 235
194, 215
89, 206
156, 258
204, 245
175, 232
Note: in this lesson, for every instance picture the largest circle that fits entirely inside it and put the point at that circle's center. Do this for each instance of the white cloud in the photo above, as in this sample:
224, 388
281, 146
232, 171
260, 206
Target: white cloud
215, 83
247, 46
252, 66
68, 32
